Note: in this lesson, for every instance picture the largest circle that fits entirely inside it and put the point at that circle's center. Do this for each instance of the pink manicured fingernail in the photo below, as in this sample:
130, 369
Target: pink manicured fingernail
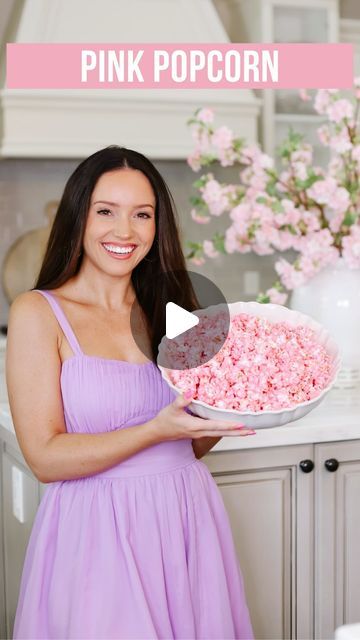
187, 394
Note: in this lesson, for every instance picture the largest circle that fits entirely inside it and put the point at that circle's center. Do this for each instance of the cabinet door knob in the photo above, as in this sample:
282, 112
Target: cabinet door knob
306, 466
331, 464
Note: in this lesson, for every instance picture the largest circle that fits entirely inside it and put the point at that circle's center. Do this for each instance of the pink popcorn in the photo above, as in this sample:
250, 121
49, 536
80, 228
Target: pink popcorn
262, 366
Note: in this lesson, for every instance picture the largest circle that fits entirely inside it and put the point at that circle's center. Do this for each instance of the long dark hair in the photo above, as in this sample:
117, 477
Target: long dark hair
159, 278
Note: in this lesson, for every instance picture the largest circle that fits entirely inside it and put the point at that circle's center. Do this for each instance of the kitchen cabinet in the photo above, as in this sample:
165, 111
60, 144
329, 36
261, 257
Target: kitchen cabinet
20, 500
337, 535
288, 21
350, 33
295, 516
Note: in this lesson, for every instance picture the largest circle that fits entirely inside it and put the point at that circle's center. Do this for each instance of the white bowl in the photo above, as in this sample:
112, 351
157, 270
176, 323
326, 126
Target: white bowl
277, 418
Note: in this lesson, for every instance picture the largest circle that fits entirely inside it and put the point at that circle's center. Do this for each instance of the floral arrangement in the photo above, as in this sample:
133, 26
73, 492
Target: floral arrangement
301, 207
262, 366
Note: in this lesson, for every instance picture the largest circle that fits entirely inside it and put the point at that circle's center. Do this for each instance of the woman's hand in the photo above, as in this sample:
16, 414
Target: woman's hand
173, 423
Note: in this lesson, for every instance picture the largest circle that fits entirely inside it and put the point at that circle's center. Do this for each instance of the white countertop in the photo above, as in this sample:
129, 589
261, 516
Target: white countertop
336, 418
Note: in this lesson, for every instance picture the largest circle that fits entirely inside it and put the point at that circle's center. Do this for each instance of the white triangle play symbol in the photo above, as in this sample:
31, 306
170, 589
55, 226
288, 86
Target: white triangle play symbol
178, 320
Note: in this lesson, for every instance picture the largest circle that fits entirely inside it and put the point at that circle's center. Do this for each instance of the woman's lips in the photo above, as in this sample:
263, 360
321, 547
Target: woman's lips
120, 256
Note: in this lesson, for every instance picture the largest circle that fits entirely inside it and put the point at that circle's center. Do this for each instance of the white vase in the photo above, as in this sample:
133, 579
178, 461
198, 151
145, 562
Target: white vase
332, 297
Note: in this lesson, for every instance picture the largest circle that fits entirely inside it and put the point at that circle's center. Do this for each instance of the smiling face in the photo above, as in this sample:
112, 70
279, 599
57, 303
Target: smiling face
120, 227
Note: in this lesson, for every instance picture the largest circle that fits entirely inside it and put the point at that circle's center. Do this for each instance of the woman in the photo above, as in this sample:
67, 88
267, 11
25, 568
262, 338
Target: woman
131, 538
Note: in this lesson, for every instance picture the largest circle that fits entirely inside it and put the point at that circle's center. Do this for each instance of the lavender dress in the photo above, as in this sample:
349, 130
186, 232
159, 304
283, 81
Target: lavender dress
143, 549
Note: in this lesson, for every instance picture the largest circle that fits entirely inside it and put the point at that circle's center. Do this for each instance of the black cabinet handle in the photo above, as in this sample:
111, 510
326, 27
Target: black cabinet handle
331, 464
306, 466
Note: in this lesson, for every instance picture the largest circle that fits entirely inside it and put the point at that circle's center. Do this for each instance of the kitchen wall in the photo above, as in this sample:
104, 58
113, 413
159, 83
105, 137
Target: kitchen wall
27, 185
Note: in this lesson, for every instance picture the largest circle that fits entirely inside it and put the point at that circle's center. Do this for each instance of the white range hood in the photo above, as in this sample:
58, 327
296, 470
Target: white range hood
75, 123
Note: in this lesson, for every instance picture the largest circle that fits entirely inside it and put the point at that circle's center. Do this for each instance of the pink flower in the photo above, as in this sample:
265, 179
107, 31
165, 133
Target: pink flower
222, 137
227, 156
340, 110
304, 154
336, 165
213, 195
322, 100
194, 161
241, 213
198, 261
199, 219
201, 139
258, 180
291, 212
284, 178
284, 241
340, 200
264, 161
322, 190
351, 247
340, 142
270, 211
206, 115
328, 192
317, 251
310, 218
290, 277
300, 170
249, 153
234, 241
276, 297
209, 249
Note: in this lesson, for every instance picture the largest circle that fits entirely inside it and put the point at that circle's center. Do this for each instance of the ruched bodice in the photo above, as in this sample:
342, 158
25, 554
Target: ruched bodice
118, 394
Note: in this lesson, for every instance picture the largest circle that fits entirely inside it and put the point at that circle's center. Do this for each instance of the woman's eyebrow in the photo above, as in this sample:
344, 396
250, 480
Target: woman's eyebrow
115, 204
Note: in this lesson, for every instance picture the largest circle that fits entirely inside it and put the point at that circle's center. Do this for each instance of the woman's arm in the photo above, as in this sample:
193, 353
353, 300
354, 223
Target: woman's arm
68, 456
33, 368
202, 445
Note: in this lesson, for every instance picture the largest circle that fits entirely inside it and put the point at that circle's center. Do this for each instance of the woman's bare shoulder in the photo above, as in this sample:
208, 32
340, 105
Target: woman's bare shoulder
30, 309
26, 302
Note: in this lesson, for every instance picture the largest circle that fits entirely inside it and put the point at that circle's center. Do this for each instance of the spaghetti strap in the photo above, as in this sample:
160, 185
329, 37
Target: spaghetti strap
62, 320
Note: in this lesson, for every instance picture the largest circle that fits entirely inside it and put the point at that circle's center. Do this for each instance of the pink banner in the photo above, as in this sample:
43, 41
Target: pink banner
179, 66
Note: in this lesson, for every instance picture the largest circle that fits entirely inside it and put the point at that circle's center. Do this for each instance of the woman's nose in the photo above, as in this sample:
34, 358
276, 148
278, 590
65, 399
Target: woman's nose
122, 226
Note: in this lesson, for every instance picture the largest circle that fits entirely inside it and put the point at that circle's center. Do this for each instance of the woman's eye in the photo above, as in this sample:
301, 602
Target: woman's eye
143, 213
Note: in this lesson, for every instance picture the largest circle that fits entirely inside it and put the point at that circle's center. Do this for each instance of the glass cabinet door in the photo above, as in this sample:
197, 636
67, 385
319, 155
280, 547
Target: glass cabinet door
299, 24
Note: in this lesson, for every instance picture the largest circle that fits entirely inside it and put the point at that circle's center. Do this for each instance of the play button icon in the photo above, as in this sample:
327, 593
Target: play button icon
178, 320
181, 320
